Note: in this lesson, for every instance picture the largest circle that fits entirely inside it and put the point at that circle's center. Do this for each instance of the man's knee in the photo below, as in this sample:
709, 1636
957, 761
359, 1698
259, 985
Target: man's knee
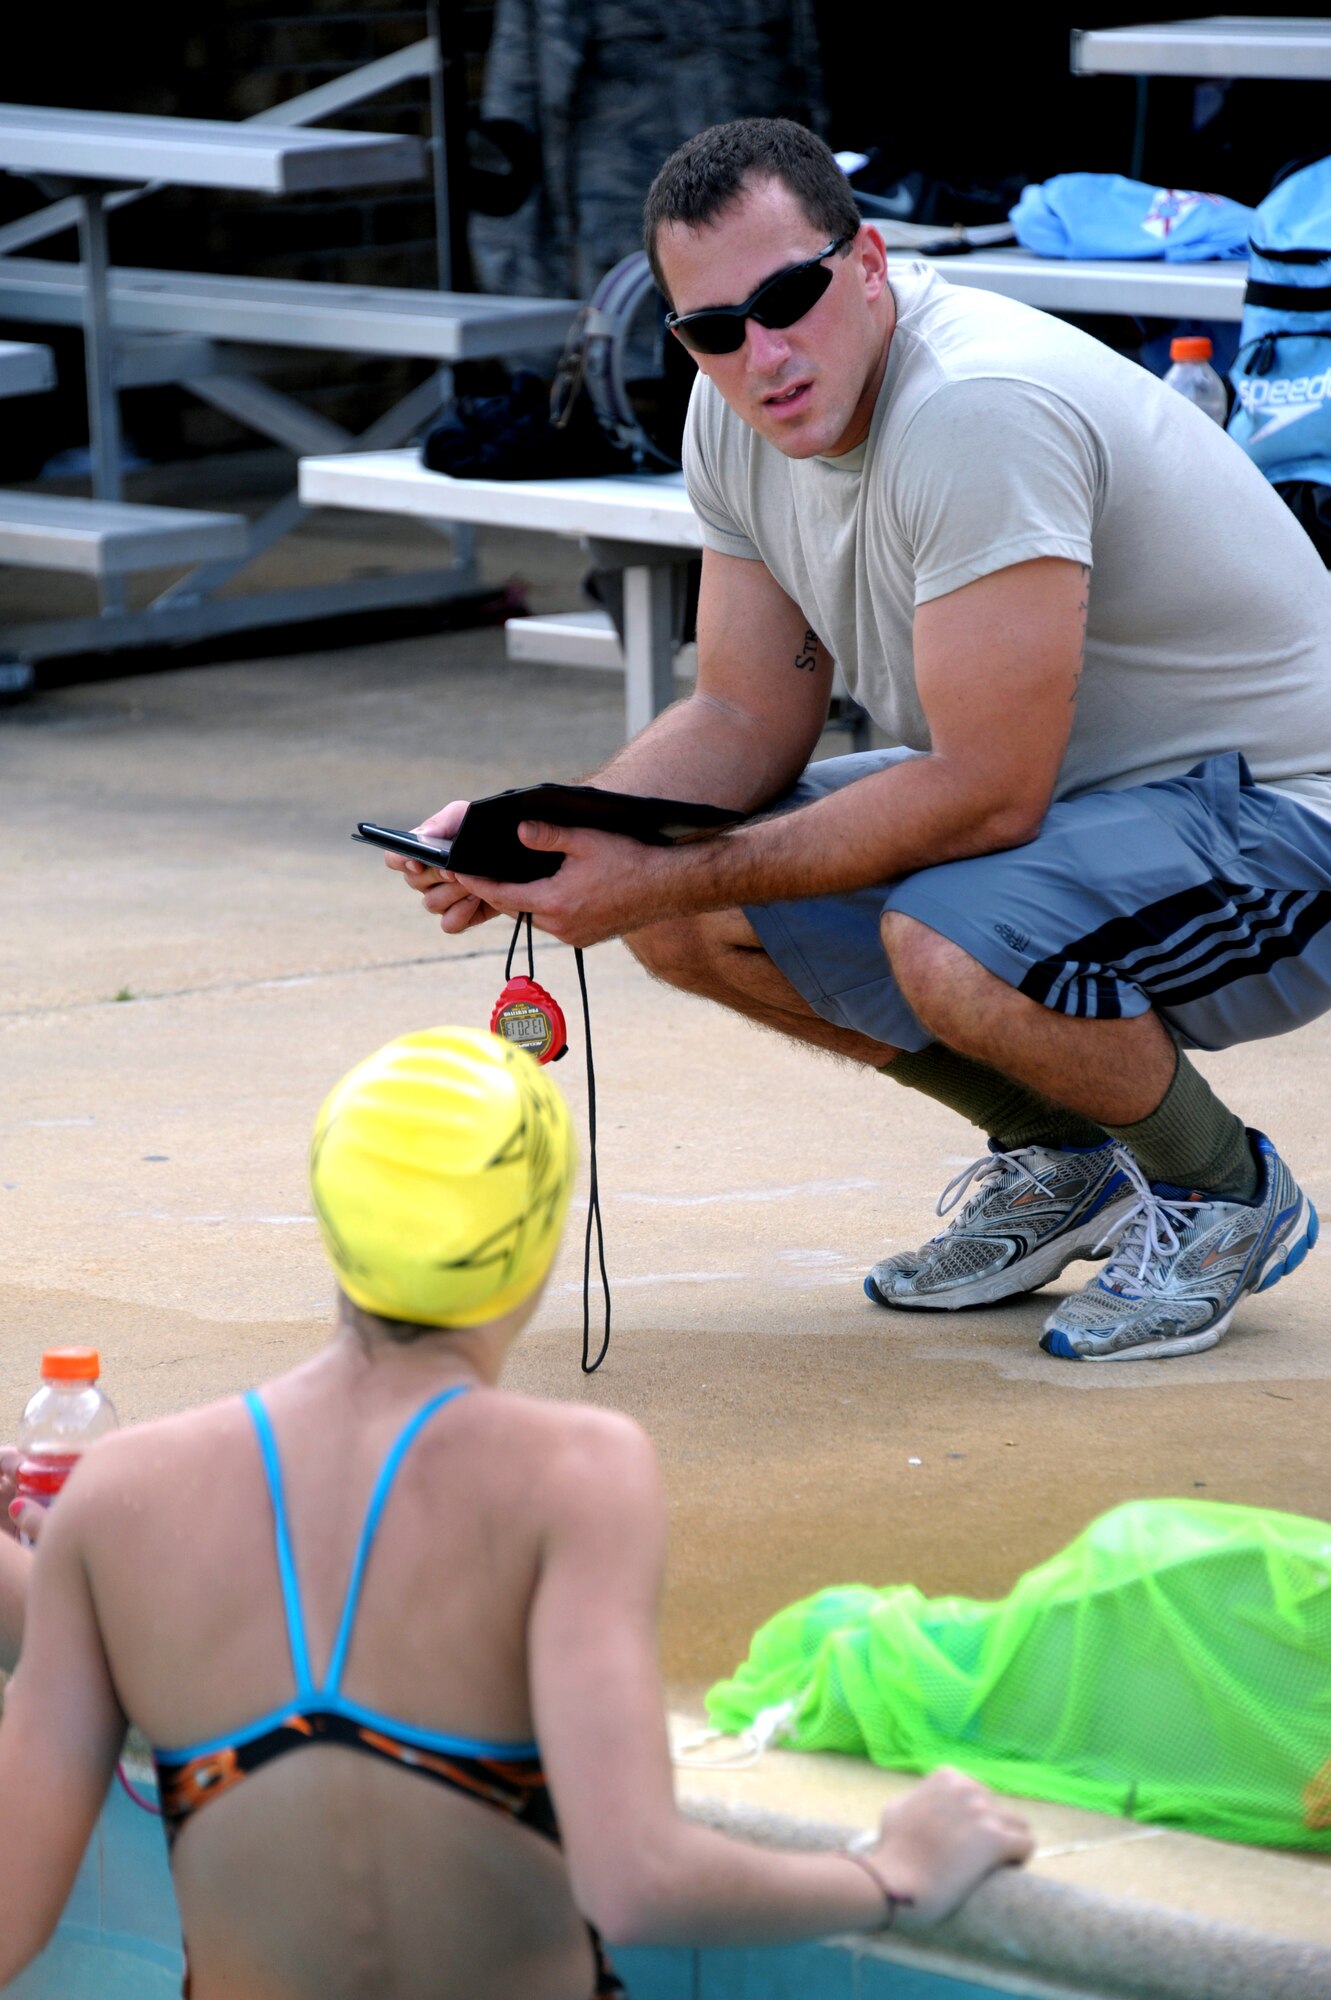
692, 952
668, 950
916, 954
942, 983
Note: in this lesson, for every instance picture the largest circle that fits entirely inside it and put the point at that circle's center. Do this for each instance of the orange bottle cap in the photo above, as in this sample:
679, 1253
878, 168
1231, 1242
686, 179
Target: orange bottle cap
71, 1364
1190, 347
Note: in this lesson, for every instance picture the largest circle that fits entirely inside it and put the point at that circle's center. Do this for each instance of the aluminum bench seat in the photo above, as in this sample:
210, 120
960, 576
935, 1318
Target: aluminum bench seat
1225, 45
284, 312
1209, 289
25, 368
110, 537
565, 639
579, 639
200, 152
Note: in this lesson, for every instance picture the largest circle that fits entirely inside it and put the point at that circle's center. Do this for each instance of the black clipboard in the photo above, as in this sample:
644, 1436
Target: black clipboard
487, 841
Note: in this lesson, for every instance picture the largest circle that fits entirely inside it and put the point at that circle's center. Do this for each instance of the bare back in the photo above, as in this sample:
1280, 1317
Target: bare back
512, 1593
326, 1873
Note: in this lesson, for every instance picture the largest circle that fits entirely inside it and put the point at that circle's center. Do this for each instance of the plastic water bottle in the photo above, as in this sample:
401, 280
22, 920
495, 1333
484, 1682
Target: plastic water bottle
1194, 377
67, 1414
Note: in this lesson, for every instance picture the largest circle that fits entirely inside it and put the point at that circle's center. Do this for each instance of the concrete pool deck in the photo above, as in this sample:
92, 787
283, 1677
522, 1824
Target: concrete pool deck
194, 951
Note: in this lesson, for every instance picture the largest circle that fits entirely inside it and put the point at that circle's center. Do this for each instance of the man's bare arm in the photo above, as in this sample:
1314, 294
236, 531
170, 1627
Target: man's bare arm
747, 731
997, 665
739, 740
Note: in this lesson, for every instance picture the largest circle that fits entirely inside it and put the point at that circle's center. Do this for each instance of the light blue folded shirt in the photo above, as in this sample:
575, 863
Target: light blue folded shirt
1107, 215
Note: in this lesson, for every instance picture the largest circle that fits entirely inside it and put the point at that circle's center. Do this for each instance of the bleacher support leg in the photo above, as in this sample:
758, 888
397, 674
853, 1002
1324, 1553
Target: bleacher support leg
649, 675
103, 408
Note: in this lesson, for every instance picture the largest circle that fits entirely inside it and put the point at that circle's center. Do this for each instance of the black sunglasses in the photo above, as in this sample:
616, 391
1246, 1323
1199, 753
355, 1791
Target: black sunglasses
779, 301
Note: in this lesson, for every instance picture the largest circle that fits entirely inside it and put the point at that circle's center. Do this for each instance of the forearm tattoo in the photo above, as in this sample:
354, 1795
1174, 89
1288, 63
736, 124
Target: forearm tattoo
1084, 609
807, 657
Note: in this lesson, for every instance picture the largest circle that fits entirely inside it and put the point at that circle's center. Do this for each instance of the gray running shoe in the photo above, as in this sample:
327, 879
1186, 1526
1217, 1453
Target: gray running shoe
1035, 1210
1181, 1263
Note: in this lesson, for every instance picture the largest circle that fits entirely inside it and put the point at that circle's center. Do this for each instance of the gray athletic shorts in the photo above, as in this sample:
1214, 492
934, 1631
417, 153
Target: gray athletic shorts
1205, 897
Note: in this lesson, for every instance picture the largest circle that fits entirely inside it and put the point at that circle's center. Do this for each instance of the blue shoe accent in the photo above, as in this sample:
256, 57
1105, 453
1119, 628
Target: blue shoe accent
871, 1291
1057, 1342
1295, 1256
1112, 1189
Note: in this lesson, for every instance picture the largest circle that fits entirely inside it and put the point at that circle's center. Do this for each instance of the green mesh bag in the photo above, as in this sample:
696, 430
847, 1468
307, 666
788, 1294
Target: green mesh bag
1172, 1664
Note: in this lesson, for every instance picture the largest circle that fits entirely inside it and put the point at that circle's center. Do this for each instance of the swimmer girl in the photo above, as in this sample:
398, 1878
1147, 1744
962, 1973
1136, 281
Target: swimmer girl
391, 1627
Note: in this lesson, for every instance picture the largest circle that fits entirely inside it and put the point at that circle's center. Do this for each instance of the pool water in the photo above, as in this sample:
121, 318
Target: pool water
119, 1939
796, 1972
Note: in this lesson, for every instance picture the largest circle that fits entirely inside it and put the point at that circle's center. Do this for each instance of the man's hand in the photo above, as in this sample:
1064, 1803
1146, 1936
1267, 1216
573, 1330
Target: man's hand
606, 885
456, 908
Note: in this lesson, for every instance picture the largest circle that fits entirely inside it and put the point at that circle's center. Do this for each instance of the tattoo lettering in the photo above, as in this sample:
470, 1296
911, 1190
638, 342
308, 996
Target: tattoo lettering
807, 657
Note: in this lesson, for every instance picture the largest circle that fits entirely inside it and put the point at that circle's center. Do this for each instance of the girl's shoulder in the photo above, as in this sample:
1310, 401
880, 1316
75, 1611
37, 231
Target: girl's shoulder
147, 1451
574, 1423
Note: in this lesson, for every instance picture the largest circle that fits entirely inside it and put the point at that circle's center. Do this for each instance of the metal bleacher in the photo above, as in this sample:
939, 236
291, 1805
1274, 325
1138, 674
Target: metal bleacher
90, 537
111, 538
280, 312
206, 332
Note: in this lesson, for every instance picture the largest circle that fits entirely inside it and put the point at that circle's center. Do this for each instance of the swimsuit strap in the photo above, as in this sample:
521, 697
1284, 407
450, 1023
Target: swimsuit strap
406, 1437
295, 1617
286, 1567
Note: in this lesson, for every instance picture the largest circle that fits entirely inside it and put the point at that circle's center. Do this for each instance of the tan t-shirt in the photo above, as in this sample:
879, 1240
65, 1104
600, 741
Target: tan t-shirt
1001, 434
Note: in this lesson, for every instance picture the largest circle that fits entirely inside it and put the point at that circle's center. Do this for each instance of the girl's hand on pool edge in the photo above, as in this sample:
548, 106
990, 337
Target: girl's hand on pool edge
940, 1842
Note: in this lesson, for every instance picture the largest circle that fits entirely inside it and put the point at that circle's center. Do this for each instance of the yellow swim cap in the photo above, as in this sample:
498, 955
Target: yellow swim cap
440, 1171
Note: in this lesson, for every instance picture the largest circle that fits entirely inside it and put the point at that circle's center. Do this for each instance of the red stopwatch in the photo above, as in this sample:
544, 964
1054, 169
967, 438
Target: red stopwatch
532, 1019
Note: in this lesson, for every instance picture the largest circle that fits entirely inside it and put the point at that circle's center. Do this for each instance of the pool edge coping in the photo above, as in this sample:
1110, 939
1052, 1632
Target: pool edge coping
1021, 1929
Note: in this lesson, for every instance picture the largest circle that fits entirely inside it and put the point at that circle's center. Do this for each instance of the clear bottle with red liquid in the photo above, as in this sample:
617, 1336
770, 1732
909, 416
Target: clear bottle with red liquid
1193, 376
67, 1414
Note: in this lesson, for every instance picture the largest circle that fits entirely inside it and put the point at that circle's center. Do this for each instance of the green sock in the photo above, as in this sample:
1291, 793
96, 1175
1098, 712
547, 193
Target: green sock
1010, 1113
1193, 1141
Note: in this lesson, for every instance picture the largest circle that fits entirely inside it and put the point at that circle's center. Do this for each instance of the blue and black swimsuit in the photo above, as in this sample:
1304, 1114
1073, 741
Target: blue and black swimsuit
506, 1776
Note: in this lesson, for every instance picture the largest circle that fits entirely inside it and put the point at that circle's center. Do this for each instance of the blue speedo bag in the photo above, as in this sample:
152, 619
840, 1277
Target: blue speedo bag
1282, 371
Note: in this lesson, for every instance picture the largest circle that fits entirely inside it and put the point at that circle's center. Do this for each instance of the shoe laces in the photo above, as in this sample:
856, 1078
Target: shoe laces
988, 1167
1146, 1235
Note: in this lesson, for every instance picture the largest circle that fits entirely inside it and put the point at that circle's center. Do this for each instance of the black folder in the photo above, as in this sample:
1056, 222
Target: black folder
487, 841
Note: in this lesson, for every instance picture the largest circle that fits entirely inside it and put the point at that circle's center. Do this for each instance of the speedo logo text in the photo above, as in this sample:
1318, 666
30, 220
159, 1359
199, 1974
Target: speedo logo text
1282, 399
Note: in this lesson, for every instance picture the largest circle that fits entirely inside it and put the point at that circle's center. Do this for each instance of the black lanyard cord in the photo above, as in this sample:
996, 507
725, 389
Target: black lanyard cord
593, 1197
594, 1190
513, 945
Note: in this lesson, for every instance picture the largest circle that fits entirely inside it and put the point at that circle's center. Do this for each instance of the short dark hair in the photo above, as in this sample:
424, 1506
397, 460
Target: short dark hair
710, 172
369, 1326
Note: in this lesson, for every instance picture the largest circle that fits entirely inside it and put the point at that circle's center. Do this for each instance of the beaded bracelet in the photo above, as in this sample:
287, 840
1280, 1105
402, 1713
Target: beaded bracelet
891, 1901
